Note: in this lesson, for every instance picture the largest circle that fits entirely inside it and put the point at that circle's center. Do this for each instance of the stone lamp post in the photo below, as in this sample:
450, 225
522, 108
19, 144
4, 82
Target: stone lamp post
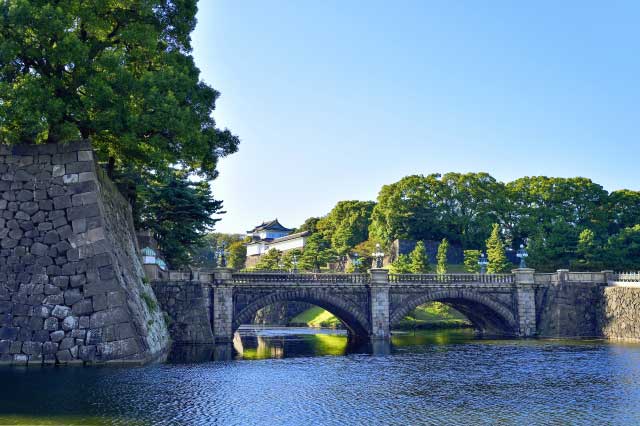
522, 255
483, 262
221, 252
378, 256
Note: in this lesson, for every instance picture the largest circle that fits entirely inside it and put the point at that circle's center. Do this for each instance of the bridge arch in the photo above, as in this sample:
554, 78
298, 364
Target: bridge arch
349, 313
487, 315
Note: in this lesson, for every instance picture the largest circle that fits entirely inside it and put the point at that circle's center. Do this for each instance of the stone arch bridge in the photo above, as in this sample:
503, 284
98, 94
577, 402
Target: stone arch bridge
207, 307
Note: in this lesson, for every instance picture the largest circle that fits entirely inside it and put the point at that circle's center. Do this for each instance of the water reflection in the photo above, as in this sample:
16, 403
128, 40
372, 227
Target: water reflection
432, 377
254, 343
289, 342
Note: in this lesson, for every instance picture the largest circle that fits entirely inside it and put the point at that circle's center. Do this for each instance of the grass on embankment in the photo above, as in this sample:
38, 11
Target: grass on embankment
316, 317
433, 315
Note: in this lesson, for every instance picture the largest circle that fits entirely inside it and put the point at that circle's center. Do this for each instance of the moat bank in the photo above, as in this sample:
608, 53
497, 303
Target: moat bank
446, 377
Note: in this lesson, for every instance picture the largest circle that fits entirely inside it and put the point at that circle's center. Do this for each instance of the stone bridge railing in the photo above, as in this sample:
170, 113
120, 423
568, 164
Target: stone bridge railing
251, 278
451, 278
285, 278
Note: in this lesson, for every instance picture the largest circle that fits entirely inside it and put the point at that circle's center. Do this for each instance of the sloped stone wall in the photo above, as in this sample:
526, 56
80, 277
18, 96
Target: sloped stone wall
71, 281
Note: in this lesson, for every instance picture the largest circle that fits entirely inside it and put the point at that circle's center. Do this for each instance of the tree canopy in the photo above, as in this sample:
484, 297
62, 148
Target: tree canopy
117, 72
120, 73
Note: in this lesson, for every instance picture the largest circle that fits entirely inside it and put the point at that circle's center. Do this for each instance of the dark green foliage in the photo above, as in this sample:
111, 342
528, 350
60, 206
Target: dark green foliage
270, 261
179, 212
419, 259
288, 257
346, 225
118, 72
311, 225
622, 251
317, 253
121, 74
459, 207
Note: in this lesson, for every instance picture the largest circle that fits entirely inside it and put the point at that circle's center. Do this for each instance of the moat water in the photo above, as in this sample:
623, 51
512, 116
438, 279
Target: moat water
302, 376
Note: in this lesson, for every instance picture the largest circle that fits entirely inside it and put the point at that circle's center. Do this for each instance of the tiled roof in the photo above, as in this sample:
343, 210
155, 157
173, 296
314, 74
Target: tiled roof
272, 225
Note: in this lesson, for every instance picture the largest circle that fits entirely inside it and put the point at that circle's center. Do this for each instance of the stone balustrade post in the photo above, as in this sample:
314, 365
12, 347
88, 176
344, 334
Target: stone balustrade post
563, 275
379, 297
608, 276
526, 300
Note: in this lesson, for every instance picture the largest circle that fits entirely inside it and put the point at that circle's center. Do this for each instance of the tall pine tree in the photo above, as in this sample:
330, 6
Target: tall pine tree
495, 253
419, 259
441, 257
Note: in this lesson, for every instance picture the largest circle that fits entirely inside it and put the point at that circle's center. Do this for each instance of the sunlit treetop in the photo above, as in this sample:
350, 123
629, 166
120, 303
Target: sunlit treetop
118, 72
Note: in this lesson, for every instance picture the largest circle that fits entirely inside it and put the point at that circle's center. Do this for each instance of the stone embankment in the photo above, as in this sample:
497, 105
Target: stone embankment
619, 313
72, 288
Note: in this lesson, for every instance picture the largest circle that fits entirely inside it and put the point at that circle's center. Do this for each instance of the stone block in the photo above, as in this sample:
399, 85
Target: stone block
70, 323
61, 311
32, 348
82, 307
85, 156
72, 296
51, 324
109, 317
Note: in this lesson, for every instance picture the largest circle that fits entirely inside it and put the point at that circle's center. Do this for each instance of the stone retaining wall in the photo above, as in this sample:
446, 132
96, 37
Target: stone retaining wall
568, 309
71, 281
619, 313
187, 305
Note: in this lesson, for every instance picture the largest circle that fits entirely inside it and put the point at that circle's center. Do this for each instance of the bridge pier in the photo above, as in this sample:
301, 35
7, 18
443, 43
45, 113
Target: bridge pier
379, 296
223, 307
526, 301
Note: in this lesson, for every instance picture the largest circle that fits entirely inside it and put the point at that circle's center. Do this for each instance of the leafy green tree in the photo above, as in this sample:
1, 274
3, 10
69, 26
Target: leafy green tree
118, 72
553, 247
556, 205
347, 225
311, 225
623, 210
622, 251
289, 256
459, 207
589, 251
419, 259
179, 212
471, 260
441, 257
317, 253
237, 255
496, 253
121, 74
270, 261
408, 209
204, 255
402, 265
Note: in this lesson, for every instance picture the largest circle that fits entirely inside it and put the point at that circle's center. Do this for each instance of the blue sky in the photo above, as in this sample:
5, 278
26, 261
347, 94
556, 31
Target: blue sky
334, 99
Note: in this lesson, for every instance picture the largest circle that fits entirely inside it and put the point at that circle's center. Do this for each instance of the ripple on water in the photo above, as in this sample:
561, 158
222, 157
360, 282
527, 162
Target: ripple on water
462, 382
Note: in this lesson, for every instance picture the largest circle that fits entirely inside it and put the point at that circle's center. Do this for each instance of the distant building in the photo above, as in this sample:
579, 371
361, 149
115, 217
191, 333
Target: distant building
272, 235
